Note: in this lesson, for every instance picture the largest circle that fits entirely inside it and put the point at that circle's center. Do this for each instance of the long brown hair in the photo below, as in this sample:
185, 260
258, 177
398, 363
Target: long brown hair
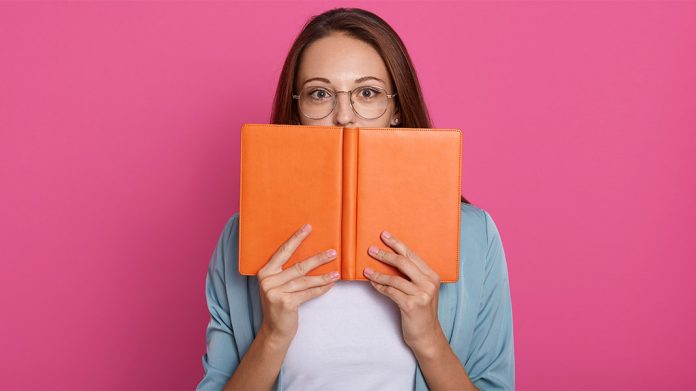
373, 30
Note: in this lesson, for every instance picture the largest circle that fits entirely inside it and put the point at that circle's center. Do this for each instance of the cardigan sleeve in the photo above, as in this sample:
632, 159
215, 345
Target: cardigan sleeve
221, 357
493, 358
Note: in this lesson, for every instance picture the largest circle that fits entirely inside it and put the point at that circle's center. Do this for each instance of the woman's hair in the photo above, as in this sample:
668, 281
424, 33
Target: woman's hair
373, 30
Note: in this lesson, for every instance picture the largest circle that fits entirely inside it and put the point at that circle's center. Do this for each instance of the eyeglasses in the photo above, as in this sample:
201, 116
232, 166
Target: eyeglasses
368, 102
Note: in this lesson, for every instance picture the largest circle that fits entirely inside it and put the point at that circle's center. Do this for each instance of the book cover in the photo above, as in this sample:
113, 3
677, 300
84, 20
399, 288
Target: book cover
350, 184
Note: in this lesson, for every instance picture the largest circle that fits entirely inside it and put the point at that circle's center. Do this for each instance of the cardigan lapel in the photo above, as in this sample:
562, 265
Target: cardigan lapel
446, 308
255, 303
257, 319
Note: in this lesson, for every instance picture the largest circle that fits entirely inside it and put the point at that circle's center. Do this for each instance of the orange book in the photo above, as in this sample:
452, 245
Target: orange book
350, 184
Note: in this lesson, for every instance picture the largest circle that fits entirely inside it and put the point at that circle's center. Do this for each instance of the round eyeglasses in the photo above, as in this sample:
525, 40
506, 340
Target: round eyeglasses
368, 102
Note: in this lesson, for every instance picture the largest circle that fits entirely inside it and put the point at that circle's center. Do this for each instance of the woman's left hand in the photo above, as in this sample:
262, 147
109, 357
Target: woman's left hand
417, 299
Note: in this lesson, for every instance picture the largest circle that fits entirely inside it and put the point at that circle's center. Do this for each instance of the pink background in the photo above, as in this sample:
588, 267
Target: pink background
119, 159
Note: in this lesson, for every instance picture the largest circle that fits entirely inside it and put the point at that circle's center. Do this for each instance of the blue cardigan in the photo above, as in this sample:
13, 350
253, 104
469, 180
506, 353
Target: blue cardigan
475, 312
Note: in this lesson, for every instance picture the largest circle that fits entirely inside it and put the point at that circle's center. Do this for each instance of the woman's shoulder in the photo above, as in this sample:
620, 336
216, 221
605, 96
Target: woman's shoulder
228, 237
224, 261
479, 235
475, 215
232, 223
476, 223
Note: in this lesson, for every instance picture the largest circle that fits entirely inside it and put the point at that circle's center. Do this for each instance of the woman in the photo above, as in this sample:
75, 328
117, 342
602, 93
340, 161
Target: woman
391, 334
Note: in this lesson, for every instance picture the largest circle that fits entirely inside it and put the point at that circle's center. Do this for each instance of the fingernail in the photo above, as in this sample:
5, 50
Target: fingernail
335, 275
306, 228
331, 253
373, 250
386, 234
368, 271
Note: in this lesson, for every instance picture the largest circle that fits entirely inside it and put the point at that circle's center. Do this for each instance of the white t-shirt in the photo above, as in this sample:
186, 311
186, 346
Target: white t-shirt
349, 338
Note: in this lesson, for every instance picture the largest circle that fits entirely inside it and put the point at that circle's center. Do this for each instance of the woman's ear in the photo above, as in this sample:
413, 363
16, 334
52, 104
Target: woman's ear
395, 118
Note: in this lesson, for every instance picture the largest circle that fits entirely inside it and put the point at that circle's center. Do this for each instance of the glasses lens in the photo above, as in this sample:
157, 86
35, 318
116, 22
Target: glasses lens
370, 102
316, 102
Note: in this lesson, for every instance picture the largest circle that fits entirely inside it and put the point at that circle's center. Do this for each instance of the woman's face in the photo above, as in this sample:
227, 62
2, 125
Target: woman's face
343, 63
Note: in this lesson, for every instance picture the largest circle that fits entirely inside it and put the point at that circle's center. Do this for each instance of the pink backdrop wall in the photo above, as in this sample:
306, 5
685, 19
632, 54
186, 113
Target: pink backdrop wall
119, 159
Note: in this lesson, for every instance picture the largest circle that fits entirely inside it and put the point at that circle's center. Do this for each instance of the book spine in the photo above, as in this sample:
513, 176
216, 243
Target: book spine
349, 203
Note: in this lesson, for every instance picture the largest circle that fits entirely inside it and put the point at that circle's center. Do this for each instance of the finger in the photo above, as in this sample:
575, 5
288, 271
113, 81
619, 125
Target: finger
401, 248
397, 282
285, 250
308, 294
396, 295
398, 261
305, 282
301, 268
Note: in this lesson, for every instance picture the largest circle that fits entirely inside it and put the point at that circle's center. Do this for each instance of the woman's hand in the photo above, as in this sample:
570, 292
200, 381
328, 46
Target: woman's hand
282, 291
417, 298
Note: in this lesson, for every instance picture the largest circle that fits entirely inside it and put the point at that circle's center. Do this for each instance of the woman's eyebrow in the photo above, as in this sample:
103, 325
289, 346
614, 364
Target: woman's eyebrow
327, 81
364, 78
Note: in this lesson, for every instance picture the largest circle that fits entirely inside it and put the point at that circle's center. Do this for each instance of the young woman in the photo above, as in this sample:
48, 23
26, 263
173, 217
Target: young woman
283, 330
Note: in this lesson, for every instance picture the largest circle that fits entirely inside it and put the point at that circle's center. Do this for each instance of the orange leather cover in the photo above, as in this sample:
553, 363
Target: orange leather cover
350, 184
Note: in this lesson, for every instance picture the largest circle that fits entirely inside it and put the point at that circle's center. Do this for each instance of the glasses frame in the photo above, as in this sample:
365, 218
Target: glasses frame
350, 94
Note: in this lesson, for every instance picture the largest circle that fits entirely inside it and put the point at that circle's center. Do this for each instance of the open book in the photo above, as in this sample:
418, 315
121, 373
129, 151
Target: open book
350, 184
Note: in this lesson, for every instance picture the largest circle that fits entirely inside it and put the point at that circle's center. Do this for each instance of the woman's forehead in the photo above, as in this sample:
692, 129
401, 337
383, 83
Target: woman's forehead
342, 60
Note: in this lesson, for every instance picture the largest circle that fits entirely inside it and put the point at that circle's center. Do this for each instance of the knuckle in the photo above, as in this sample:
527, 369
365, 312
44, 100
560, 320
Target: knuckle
321, 289
285, 248
398, 261
300, 267
409, 306
286, 302
305, 282
264, 285
437, 278
423, 297
431, 286
292, 285
311, 292
272, 295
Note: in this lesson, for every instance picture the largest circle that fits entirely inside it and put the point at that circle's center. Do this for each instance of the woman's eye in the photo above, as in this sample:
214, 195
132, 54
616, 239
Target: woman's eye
319, 94
368, 93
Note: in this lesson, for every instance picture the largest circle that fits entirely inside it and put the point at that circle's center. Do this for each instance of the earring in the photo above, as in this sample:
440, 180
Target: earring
396, 121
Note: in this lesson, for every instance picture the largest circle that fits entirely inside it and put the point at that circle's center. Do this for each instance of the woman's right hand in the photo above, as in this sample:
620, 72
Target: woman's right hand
282, 291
